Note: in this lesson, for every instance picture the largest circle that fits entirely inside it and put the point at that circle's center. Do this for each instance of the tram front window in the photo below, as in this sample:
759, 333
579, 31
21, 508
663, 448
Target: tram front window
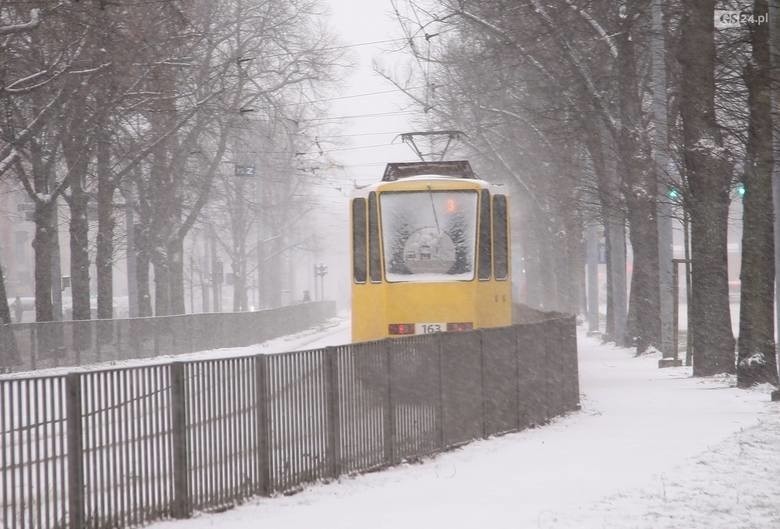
429, 235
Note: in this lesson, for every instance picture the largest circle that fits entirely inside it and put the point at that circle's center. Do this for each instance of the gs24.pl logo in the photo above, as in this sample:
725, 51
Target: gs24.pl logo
725, 18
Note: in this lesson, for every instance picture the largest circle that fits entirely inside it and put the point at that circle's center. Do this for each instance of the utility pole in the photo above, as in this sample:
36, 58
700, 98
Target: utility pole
663, 166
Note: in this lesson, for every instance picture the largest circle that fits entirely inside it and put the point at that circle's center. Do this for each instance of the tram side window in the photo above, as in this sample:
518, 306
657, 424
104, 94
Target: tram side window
374, 260
500, 239
359, 240
484, 236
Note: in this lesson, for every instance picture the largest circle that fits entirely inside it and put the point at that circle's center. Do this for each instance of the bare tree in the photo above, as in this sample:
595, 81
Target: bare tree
756, 347
708, 169
531, 82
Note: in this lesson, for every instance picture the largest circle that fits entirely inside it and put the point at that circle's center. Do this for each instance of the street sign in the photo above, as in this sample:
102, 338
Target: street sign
25, 206
244, 170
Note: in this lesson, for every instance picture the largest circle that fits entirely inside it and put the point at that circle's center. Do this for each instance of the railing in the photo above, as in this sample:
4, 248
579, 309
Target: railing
30, 346
122, 447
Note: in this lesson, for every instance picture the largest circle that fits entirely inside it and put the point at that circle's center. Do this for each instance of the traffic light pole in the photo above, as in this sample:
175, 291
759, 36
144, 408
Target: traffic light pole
320, 271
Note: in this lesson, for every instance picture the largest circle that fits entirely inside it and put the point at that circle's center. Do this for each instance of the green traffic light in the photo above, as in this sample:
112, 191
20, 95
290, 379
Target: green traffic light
741, 190
673, 193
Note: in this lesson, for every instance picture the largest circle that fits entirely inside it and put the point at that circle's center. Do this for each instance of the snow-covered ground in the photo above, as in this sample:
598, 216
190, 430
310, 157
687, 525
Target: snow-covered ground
335, 331
650, 449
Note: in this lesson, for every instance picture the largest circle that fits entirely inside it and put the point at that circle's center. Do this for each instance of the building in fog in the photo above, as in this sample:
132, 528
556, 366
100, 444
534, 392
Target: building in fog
16, 235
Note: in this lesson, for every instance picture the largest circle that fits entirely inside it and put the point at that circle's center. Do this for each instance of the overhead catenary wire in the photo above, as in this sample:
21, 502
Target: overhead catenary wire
355, 116
318, 151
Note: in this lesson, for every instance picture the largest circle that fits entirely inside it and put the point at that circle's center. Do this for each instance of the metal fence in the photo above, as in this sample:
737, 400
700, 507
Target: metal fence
30, 346
122, 447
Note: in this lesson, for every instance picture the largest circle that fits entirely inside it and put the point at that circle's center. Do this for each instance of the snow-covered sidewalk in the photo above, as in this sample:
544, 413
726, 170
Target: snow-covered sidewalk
650, 449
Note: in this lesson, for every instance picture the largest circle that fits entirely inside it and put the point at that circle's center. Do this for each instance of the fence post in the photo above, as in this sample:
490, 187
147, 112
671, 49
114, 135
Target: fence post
333, 418
388, 430
482, 392
178, 404
262, 426
75, 450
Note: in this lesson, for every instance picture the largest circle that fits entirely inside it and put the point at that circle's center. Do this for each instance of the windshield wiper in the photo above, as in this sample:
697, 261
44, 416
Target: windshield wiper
433, 208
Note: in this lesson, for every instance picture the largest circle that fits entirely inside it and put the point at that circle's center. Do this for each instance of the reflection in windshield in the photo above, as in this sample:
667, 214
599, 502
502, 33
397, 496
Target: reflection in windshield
429, 235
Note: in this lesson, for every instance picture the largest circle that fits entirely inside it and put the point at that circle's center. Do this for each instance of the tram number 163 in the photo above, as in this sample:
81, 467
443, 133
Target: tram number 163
431, 328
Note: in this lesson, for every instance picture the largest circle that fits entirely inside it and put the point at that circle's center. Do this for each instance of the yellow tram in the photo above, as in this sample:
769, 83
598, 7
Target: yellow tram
430, 252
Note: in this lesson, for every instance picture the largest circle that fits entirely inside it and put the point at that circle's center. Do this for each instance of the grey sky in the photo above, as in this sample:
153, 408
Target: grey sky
356, 22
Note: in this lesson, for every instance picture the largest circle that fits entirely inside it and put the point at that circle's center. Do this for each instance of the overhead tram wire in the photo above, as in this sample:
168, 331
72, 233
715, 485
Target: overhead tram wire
337, 98
323, 151
355, 45
379, 114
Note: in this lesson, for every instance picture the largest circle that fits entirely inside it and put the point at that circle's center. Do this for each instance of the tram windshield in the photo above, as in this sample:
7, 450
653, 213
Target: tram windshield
429, 235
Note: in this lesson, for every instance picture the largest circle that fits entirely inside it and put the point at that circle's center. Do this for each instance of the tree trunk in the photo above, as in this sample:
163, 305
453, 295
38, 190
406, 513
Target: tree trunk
105, 233
9, 355
79, 264
162, 285
645, 294
142, 263
614, 234
76, 148
5, 310
609, 324
56, 266
79, 253
639, 189
176, 276
130, 259
238, 234
756, 345
617, 262
43, 244
708, 171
